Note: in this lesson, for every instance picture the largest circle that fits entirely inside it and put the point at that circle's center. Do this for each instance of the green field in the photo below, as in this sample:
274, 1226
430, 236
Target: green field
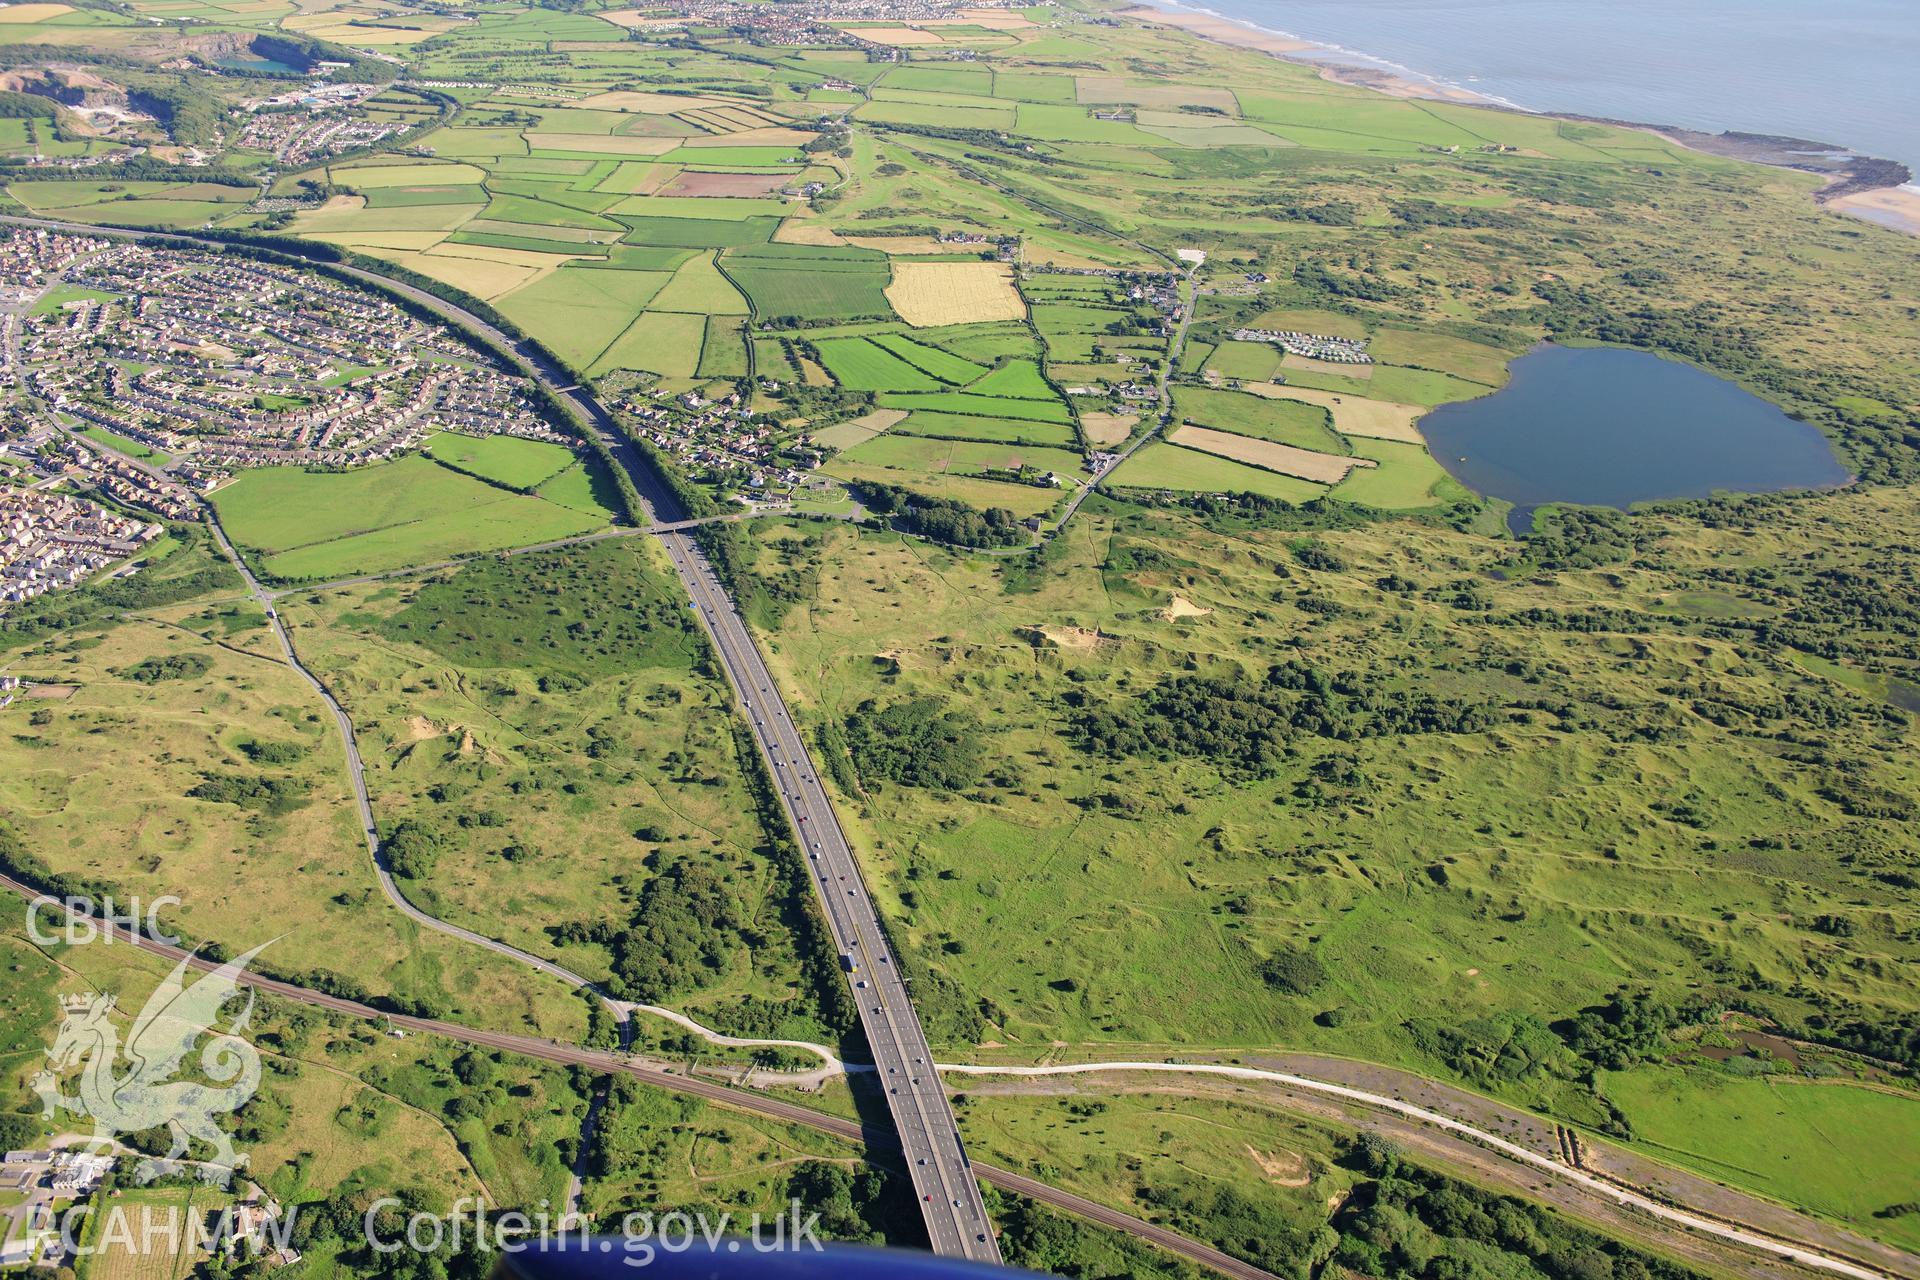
306, 525
862, 364
984, 406
121, 444
922, 422
1019, 379
943, 365
1839, 1149
696, 232
1248, 361
508, 460
58, 296
839, 291
959, 457
1407, 477
662, 342
582, 311
1303, 426
698, 286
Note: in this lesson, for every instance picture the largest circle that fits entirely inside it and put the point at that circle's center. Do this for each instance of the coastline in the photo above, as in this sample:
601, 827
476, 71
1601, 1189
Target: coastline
1895, 207
1883, 192
1372, 73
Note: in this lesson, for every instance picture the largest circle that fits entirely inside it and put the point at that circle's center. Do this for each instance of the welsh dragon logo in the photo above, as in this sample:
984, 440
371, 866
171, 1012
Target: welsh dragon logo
134, 1088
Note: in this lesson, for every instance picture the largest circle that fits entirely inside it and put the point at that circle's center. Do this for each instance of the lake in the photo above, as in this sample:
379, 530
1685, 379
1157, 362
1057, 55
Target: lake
249, 63
1611, 427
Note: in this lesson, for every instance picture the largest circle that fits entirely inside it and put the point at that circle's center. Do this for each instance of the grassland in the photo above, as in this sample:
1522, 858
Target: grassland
1280, 1171
590, 750
1404, 477
665, 343
859, 364
1172, 468
126, 781
305, 525
783, 288
1304, 426
1677, 758
1022, 499
1354, 415
957, 426
1305, 464
1836, 1148
1335, 849
507, 460
121, 444
960, 457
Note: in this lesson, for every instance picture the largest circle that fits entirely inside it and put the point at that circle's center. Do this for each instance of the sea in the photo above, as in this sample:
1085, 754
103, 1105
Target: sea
1844, 72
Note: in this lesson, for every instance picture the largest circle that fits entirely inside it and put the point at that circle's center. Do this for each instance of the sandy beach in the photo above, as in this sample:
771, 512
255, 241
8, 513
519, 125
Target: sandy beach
1896, 207
1228, 31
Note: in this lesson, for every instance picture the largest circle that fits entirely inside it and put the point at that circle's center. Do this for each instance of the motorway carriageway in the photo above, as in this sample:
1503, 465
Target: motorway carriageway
606, 1060
943, 1177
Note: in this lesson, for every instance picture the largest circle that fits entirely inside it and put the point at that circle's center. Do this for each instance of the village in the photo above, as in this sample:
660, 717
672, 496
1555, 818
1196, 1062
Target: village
808, 22
724, 443
50, 540
314, 122
216, 364
136, 380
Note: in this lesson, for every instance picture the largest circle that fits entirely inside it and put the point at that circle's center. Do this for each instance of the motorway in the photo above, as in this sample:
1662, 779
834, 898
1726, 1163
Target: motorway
604, 1060
943, 1178
942, 1175
1889, 1263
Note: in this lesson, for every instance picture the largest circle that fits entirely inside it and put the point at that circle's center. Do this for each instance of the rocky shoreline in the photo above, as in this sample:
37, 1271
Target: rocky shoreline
1847, 172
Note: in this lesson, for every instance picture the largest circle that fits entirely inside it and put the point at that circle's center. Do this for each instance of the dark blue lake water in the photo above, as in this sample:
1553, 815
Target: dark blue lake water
1612, 427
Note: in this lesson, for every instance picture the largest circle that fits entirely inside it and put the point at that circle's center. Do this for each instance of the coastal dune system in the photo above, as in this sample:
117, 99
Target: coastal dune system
1852, 83
814, 604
